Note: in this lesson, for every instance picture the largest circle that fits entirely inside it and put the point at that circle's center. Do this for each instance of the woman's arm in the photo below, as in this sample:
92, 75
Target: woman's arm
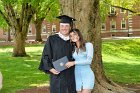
89, 51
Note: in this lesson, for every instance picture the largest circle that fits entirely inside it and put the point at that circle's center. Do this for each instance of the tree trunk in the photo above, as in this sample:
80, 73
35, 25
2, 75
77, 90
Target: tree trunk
18, 22
38, 26
9, 35
19, 45
86, 12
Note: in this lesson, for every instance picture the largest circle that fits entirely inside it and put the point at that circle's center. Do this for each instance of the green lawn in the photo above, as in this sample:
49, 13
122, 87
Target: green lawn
21, 72
120, 58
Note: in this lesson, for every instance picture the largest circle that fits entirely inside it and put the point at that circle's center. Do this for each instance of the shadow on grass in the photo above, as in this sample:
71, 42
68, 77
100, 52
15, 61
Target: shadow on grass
123, 72
21, 72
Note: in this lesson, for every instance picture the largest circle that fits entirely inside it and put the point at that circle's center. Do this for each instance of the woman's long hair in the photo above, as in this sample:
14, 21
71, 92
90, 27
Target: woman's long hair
82, 41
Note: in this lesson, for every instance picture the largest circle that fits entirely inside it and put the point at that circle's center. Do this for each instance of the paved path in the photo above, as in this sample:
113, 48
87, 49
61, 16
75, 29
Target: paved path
118, 38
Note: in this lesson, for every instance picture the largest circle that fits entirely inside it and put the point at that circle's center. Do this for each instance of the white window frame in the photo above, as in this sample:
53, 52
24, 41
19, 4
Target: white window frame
54, 28
121, 11
112, 9
30, 29
112, 24
43, 29
5, 33
122, 24
103, 24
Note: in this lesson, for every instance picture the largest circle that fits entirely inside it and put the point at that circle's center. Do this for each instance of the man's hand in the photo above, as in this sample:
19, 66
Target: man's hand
70, 64
54, 71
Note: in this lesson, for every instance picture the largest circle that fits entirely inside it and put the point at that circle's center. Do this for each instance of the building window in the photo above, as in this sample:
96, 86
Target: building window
112, 10
113, 25
43, 28
103, 26
53, 28
4, 33
30, 29
11, 32
122, 11
123, 24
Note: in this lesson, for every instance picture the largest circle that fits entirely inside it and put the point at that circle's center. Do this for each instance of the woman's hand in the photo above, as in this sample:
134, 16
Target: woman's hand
70, 64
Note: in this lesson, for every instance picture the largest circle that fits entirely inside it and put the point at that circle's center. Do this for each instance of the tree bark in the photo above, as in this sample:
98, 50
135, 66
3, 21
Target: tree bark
19, 23
86, 12
9, 35
19, 45
38, 26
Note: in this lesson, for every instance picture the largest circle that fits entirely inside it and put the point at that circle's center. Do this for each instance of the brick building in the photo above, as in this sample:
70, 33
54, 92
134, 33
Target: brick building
119, 23
47, 28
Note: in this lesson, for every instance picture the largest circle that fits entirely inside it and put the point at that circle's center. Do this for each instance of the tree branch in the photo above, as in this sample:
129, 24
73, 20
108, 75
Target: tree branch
31, 12
4, 17
49, 8
11, 15
25, 17
126, 9
123, 8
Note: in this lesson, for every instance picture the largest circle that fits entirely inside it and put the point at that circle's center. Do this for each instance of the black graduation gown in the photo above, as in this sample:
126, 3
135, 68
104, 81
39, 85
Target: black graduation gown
54, 49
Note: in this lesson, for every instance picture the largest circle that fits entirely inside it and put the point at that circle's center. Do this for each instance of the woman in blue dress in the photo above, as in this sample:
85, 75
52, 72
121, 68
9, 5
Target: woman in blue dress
83, 55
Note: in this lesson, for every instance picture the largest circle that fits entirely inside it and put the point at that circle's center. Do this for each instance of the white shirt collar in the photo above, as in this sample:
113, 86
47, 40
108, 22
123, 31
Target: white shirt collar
63, 37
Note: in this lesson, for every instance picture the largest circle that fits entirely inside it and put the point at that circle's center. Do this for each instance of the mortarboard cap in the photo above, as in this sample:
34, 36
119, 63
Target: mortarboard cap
66, 19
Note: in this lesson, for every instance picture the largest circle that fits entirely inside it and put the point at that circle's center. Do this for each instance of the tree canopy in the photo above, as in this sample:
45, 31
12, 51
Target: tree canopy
130, 5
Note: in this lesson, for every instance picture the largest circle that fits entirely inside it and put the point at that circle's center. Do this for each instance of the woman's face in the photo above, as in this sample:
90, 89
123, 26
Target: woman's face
74, 37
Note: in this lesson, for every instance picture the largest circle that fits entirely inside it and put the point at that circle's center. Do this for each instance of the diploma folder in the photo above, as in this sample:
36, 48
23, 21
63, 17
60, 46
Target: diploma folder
59, 64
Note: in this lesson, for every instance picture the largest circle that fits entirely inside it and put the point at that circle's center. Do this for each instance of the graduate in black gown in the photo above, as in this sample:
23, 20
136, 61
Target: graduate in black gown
56, 47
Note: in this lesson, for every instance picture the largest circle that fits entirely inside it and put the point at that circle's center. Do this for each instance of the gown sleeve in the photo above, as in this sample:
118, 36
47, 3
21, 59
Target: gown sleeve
89, 52
46, 60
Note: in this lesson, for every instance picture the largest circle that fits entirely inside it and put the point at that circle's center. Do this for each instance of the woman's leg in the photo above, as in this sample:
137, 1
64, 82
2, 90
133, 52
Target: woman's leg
86, 91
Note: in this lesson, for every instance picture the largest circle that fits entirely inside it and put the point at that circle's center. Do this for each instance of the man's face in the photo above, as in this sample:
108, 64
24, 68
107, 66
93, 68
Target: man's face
64, 28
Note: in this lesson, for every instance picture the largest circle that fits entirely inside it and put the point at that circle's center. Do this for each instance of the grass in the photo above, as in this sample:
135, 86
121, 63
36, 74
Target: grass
22, 72
120, 59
